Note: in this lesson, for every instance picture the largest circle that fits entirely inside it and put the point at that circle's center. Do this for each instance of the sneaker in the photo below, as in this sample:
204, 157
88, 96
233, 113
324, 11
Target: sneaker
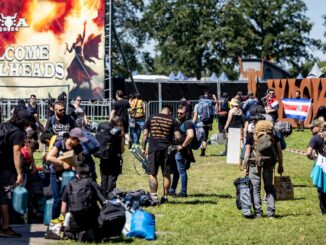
181, 195
10, 233
259, 215
172, 193
164, 200
271, 216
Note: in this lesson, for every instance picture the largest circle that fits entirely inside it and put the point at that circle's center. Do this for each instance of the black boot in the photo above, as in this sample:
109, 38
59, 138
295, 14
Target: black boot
202, 153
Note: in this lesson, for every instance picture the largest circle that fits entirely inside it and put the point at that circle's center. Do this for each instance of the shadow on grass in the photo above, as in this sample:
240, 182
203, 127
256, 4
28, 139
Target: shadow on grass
281, 216
212, 195
118, 240
304, 186
193, 202
295, 199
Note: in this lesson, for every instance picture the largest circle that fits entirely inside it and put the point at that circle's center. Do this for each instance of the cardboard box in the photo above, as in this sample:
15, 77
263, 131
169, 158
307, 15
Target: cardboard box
68, 157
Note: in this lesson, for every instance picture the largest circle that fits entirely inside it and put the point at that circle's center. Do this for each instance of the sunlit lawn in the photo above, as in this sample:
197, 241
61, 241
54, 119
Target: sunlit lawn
209, 214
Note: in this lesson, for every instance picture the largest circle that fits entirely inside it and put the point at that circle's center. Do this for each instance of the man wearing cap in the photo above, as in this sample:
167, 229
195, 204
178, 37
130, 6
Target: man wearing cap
58, 166
315, 151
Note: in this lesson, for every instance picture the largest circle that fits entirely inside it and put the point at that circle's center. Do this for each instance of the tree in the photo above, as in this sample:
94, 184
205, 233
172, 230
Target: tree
127, 24
182, 30
278, 29
204, 36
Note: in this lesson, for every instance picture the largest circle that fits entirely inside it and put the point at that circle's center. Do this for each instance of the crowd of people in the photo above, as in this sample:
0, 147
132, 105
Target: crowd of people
167, 142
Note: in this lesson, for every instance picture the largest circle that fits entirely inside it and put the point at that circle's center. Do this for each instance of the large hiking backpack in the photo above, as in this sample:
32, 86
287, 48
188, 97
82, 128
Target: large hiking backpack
199, 134
256, 109
81, 196
5, 130
249, 105
206, 111
106, 138
264, 142
112, 219
92, 145
281, 130
224, 106
244, 195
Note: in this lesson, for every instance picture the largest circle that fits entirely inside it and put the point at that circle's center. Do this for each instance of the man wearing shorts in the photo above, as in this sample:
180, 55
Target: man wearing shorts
159, 129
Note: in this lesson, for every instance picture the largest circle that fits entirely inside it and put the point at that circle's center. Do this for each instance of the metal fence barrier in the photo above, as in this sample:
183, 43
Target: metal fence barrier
98, 110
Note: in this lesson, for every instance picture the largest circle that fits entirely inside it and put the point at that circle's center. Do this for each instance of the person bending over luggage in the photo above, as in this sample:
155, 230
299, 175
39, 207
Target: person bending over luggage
110, 164
160, 128
80, 198
184, 155
262, 167
58, 166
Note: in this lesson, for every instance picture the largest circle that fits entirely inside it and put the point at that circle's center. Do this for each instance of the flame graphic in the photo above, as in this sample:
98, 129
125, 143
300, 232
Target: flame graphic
53, 16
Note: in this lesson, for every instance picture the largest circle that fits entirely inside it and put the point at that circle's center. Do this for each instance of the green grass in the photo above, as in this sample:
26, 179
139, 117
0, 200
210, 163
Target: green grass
209, 215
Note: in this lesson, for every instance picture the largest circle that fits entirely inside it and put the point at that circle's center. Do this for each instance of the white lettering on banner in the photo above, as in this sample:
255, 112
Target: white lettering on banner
11, 23
30, 69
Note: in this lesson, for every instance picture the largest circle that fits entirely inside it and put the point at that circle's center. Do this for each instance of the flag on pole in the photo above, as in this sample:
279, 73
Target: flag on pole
296, 108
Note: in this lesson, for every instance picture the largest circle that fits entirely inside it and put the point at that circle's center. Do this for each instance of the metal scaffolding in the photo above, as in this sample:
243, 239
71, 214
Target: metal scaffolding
110, 32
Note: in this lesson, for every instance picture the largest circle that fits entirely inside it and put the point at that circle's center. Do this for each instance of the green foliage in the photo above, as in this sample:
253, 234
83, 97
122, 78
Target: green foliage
199, 37
126, 20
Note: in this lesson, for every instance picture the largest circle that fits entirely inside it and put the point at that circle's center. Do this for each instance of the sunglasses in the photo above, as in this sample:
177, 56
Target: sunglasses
60, 110
180, 113
77, 100
74, 138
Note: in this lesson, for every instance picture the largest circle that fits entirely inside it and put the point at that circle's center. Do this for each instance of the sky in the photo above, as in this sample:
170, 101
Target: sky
316, 9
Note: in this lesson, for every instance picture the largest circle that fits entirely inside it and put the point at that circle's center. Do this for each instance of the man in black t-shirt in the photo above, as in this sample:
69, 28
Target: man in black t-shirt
160, 129
60, 123
315, 147
120, 108
11, 171
184, 155
266, 172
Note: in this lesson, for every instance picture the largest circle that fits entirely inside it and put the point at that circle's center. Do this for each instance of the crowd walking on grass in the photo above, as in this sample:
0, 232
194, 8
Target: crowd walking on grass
69, 141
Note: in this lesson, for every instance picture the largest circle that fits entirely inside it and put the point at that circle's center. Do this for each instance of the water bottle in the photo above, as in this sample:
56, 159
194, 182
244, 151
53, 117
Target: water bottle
20, 200
67, 176
66, 222
48, 212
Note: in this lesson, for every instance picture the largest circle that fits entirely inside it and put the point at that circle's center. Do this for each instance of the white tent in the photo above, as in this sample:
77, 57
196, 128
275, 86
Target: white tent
315, 72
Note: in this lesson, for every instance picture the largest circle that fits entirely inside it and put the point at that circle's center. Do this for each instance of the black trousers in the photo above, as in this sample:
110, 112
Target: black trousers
322, 201
110, 170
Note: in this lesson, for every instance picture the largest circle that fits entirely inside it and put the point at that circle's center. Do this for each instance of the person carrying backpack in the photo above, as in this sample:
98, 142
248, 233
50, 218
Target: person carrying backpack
184, 155
12, 139
263, 150
58, 166
138, 114
80, 199
111, 138
203, 115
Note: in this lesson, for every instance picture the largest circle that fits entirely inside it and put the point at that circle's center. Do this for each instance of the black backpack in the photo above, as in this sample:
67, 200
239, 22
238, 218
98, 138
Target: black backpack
107, 141
5, 130
256, 109
112, 219
81, 195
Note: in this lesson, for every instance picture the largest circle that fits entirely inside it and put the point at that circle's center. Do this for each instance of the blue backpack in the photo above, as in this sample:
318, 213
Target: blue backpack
206, 111
142, 225
92, 145
199, 134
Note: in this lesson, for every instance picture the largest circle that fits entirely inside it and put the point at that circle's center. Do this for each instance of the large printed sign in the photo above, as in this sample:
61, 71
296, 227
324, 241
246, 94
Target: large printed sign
52, 43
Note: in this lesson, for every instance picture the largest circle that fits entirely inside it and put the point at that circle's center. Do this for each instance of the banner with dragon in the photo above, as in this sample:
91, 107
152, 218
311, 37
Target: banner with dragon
52, 42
